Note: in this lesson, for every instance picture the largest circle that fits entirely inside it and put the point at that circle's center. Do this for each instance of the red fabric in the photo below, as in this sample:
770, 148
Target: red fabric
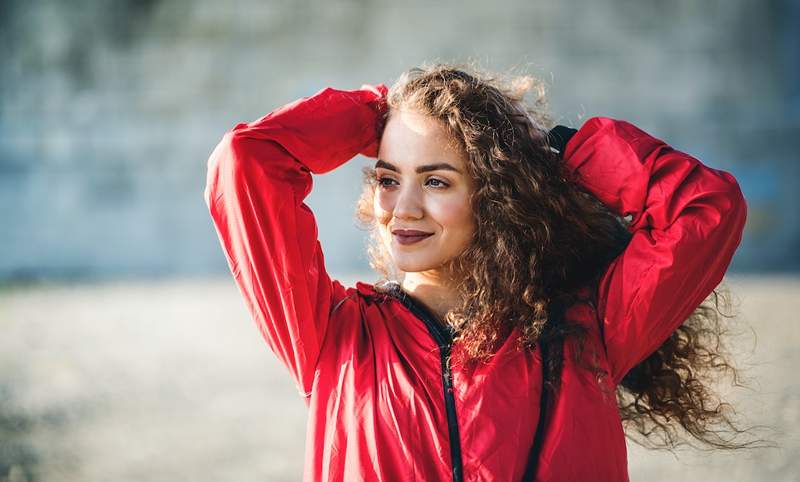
368, 368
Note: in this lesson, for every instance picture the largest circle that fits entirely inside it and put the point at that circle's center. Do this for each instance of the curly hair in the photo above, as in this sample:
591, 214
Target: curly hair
540, 238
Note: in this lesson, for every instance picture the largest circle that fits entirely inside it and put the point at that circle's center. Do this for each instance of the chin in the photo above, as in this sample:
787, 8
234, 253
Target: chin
412, 265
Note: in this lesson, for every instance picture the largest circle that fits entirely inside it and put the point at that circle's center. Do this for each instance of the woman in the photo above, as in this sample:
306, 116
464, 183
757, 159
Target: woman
501, 246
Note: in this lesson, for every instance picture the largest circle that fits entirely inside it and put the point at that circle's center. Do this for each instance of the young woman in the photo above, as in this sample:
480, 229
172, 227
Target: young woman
539, 287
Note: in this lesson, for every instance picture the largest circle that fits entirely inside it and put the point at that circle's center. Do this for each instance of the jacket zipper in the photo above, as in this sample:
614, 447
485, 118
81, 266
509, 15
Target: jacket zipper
444, 338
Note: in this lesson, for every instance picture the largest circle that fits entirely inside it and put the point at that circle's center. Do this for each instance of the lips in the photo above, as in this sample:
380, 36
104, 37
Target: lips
410, 236
410, 232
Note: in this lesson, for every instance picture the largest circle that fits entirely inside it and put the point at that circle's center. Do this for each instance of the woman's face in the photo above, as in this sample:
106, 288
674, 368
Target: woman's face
423, 188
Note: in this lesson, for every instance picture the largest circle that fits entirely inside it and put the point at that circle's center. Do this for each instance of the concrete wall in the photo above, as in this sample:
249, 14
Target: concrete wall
109, 110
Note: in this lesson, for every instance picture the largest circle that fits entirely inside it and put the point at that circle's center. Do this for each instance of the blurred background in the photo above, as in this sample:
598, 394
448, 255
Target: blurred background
126, 352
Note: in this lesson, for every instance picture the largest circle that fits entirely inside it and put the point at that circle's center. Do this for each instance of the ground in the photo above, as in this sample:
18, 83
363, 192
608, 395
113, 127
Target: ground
170, 380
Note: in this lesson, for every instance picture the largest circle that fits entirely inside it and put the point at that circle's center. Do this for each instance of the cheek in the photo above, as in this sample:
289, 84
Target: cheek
454, 215
381, 207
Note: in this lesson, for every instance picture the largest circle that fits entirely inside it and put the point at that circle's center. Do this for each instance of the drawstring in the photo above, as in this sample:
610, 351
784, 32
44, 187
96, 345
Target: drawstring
555, 312
533, 458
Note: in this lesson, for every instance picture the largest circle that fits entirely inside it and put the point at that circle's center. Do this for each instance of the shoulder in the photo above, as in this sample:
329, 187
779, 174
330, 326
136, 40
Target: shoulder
355, 316
582, 308
379, 292
363, 293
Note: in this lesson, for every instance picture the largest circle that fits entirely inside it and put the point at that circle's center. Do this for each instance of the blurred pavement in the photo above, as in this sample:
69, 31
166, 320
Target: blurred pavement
170, 380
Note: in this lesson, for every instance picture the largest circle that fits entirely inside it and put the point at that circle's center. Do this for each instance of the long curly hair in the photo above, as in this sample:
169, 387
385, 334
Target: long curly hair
540, 238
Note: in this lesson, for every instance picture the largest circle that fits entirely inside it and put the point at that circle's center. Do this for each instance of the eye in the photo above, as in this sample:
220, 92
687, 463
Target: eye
438, 182
384, 181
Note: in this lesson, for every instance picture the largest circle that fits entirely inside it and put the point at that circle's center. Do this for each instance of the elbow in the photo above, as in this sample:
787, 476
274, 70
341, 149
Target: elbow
726, 215
224, 158
732, 211
241, 169
221, 169
738, 206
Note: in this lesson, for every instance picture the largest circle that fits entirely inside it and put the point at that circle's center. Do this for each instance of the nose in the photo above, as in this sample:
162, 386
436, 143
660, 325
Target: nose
409, 203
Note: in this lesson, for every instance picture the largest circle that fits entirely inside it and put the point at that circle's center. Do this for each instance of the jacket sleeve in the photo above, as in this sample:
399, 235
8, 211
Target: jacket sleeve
258, 177
687, 220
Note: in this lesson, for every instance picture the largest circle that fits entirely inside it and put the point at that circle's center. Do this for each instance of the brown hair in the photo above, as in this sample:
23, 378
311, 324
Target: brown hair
540, 237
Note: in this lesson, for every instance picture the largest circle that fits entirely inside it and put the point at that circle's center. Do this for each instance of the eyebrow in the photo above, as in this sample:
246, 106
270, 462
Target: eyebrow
428, 167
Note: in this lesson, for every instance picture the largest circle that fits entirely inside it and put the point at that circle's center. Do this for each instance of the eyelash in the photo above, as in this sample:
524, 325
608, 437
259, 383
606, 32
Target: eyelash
380, 179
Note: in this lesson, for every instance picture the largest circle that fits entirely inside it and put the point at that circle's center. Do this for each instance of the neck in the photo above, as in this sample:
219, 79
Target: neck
435, 291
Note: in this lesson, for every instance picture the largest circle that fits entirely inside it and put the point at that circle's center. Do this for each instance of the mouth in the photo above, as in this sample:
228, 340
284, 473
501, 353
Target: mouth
410, 236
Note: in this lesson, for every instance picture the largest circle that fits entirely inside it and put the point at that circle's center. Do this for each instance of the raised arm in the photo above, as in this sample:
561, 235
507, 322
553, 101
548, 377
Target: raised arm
258, 177
687, 220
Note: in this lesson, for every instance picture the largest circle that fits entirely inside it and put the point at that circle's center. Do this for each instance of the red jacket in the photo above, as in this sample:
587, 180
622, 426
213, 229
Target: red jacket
382, 404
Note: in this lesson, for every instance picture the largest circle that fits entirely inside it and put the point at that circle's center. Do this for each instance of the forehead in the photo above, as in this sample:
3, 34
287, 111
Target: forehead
411, 138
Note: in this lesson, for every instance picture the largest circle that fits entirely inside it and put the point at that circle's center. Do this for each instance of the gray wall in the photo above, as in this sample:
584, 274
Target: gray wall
109, 110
